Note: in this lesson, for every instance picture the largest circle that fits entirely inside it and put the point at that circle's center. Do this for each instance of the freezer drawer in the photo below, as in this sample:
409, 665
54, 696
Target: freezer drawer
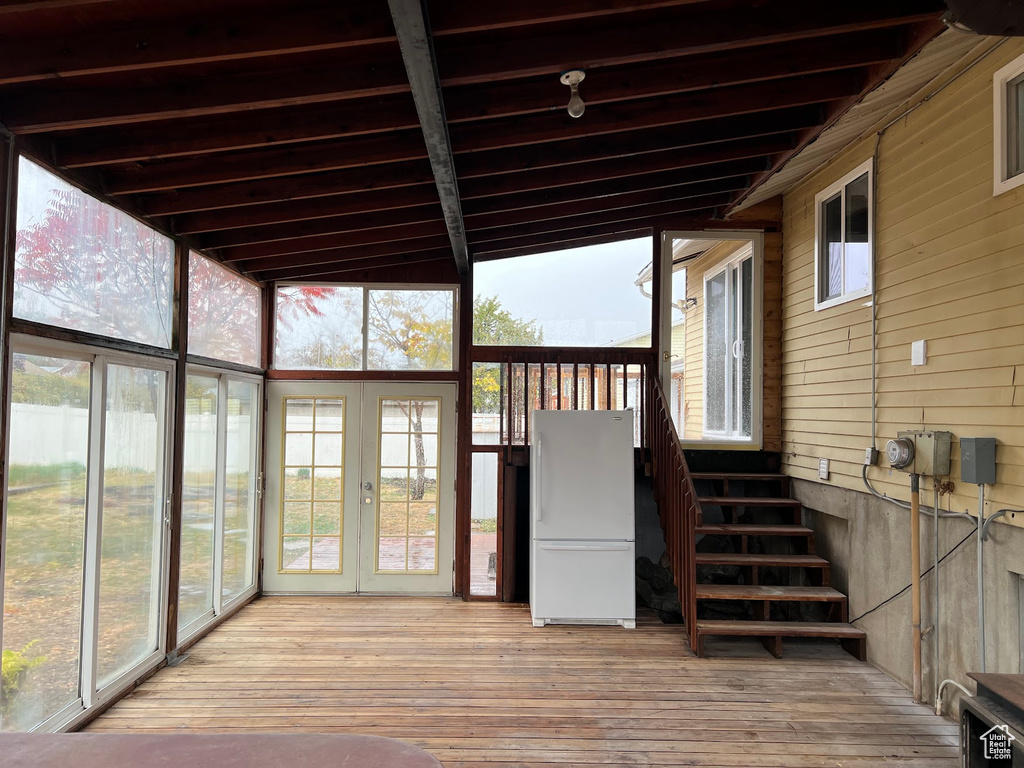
583, 582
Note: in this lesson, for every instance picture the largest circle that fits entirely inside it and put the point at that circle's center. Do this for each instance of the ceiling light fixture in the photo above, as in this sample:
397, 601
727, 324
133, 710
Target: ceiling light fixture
573, 78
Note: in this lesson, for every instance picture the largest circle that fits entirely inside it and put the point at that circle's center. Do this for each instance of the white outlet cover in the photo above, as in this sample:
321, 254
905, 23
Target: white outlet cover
918, 352
823, 469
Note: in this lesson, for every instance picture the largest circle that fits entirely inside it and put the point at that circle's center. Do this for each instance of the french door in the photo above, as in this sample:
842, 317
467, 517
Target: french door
360, 488
728, 349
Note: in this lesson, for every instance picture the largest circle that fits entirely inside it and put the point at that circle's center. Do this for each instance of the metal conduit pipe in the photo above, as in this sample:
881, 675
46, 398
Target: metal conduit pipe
942, 687
915, 580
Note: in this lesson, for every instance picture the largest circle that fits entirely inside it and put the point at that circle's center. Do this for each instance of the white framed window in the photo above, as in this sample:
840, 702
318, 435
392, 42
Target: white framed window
1008, 126
844, 239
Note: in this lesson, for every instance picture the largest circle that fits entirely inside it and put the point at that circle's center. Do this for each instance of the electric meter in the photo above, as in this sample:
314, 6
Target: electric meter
900, 452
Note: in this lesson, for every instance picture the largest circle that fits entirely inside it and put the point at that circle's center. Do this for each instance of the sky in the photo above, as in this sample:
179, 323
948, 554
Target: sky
581, 297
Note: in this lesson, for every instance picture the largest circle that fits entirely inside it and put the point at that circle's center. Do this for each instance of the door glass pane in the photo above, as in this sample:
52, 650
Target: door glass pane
240, 487
84, 265
314, 477
133, 507
198, 499
717, 352
832, 249
483, 562
407, 527
43, 578
410, 330
858, 256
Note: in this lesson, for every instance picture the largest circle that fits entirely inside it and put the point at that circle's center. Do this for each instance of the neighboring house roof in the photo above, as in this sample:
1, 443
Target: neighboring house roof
885, 102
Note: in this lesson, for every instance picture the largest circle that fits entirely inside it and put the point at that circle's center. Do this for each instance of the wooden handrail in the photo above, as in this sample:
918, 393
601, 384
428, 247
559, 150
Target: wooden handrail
676, 497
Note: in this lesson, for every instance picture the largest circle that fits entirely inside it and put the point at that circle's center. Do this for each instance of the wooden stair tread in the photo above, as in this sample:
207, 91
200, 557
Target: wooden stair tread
780, 628
740, 558
736, 476
763, 592
739, 529
747, 501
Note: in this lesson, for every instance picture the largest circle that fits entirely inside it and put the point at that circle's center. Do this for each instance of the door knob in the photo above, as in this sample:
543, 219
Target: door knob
368, 486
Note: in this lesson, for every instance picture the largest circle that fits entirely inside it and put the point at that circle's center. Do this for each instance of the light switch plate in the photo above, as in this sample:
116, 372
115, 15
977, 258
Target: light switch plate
918, 352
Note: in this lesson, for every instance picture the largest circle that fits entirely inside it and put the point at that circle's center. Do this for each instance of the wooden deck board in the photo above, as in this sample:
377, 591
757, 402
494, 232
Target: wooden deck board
476, 685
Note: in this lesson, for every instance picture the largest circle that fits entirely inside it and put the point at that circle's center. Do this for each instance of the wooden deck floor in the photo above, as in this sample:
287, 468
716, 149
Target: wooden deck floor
476, 685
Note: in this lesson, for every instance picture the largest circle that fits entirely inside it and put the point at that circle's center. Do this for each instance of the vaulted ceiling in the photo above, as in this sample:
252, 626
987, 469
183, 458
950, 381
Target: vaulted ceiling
284, 138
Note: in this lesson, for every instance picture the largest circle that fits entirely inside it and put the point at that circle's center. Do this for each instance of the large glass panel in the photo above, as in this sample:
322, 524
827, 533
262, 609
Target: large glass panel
312, 507
318, 328
746, 394
240, 487
410, 330
43, 556
717, 353
858, 253
832, 249
407, 502
586, 297
223, 313
133, 512
483, 557
198, 499
84, 265
489, 399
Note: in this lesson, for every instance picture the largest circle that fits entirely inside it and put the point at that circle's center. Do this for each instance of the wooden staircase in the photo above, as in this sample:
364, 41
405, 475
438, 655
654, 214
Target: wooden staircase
765, 532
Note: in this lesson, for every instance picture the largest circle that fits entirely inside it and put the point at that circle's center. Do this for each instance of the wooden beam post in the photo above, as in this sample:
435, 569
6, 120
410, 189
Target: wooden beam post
414, 38
464, 442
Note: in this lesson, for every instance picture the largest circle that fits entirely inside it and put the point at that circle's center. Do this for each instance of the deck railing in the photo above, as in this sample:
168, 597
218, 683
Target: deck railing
676, 499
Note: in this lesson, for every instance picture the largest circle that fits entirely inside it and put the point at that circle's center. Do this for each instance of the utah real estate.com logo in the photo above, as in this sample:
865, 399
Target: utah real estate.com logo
997, 743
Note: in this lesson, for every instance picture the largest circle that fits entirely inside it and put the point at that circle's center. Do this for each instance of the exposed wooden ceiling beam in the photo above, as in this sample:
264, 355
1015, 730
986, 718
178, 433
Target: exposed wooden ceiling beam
370, 201
24, 6
413, 32
700, 29
348, 269
408, 145
346, 181
370, 73
195, 40
672, 110
333, 241
233, 132
253, 165
273, 264
615, 234
379, 74
570, 238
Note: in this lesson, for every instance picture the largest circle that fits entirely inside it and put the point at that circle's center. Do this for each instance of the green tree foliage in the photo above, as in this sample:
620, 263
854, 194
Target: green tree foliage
495, 325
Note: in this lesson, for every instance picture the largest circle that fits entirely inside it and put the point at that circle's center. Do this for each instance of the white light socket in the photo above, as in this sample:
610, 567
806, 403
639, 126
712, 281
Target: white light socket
918, 352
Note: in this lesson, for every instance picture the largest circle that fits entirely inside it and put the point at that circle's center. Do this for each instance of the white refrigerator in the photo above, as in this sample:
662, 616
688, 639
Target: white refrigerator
582, 536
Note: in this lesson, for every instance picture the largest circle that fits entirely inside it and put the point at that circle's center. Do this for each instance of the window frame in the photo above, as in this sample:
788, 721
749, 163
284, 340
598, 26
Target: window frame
1001, 180
839, 187
364, 369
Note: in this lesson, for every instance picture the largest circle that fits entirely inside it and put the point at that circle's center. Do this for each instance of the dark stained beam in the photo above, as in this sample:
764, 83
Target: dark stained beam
452, 17
378, 72
355, 222
23, 6
289, 188
614, 235
333, 241
413, 32
665, 77
196, 40
274, 264
233, 132
700, 29
370, 73
344, 270
673, 110
307, 209
716, 161
570, 238
264, 164
408, 145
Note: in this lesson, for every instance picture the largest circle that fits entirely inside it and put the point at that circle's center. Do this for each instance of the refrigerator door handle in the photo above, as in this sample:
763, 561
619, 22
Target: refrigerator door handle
624, 546
537, 470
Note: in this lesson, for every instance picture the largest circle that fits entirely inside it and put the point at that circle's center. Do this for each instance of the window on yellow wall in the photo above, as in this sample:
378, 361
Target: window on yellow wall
1008, 139
844, 239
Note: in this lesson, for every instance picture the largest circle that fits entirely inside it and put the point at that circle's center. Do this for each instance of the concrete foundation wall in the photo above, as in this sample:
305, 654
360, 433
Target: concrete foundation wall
868, 542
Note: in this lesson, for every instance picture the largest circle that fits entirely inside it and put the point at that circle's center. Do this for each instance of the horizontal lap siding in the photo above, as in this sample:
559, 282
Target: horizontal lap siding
949, 269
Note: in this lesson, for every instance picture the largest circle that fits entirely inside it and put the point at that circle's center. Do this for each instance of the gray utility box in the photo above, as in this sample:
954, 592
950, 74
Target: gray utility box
978, 460
931, 452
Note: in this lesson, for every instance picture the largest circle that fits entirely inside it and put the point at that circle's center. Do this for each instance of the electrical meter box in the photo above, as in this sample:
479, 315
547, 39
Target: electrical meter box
931, 452
978, 460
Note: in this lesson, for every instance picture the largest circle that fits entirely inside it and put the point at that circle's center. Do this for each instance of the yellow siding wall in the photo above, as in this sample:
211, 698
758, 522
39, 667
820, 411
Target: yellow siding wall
949, 269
